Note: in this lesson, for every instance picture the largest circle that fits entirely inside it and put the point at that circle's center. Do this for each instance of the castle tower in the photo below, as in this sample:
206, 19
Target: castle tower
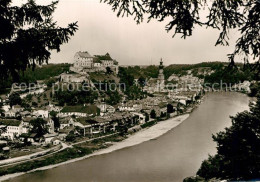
161, 81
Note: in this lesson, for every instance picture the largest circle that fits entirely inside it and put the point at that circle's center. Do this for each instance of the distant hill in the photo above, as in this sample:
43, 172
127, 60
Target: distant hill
180, 69
45, 72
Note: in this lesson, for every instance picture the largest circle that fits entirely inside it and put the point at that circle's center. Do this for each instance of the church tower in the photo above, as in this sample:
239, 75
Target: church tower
161, 81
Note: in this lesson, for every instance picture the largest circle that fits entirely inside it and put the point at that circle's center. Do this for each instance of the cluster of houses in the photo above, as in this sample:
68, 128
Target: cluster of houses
93, 119
15, 123
32, 88
88, 120
173, 83
186, 82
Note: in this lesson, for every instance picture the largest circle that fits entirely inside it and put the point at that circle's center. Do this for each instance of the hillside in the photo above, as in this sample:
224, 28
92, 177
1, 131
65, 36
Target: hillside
44, 72
179, 69
183, 68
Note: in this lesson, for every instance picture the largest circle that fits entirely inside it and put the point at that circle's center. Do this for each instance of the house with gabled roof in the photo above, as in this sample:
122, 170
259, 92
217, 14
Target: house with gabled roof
83, 59
79, 111
84, 62
66, 122
12, 128
10, 113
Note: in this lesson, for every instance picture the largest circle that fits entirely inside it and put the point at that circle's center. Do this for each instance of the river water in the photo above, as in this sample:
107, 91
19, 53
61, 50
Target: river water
171, 157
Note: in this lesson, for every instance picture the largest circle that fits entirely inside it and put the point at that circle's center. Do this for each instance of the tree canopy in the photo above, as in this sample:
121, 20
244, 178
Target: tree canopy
15, 99
238, 149
184, 16
153, 114
39, 126
28, 36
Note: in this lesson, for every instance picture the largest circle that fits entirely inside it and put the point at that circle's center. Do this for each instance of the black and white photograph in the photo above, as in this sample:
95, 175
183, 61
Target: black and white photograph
129, 90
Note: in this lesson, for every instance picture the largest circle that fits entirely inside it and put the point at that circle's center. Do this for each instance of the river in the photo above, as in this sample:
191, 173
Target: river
169, 158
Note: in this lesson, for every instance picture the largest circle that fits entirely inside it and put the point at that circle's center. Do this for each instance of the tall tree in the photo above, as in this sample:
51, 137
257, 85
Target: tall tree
55, 119
184, 16
141, 81
28, 33
153, 114
15, 99
39, 127
170, 108
238, 149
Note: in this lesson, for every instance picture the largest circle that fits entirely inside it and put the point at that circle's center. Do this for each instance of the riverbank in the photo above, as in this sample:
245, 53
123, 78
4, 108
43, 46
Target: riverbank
144, 135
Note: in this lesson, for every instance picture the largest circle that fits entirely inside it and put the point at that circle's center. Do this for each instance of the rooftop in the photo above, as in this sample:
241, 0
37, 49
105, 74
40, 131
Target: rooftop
84, 54
28, 119
104, 57
64, 120
50, 135
92, 109
83, 120
97, 60
10, 122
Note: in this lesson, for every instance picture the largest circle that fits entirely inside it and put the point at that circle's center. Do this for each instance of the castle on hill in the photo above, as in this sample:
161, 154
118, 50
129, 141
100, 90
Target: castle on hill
84, 63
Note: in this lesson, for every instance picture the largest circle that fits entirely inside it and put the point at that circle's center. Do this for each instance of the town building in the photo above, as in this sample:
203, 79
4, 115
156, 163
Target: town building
83, 60
12, 128
41, 113
66, 122
84, 63
105, 109
79, 111
156, 84
49, 123
50, 137
161, 81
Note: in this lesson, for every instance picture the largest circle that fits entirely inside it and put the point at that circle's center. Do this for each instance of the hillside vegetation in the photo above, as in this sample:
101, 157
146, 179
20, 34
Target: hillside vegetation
137, 72
40, 73
44, 72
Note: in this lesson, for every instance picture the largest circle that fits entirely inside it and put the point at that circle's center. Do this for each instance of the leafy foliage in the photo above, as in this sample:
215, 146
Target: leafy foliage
131, 89
238, 149
184, 16
39, 127
231, 77
255, 87
153, 114
15, 99
134, 93
75, 97
181, 69
113, 97
44, 72
70, 137
55, 119
170, 108
28, 36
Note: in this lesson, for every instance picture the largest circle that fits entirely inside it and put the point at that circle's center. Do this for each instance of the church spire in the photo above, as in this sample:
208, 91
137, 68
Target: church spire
161, 64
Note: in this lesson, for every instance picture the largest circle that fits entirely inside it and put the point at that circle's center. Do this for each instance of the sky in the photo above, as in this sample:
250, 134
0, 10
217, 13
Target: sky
101, 31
